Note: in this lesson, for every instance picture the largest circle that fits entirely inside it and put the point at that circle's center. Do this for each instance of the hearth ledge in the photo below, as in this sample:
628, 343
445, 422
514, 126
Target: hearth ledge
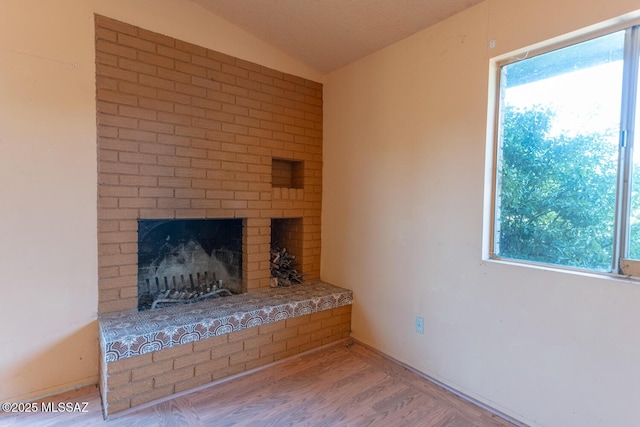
127, 334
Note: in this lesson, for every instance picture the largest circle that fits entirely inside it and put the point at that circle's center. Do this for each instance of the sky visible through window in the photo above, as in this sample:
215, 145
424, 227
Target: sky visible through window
581, 84
584, 101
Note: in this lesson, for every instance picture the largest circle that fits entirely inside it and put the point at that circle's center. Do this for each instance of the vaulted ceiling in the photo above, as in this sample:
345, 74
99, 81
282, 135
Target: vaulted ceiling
328, 34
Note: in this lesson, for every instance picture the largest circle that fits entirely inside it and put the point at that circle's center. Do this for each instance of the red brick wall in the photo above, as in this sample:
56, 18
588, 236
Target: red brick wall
187, 132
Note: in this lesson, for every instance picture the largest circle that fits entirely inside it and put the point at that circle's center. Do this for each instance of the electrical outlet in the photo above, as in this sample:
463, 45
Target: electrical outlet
419, 325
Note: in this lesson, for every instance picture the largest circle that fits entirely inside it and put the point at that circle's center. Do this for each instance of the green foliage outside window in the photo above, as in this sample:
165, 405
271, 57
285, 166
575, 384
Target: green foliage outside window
557, 194
567, 190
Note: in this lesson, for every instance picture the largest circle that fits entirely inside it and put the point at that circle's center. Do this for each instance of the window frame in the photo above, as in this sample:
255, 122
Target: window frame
621, 265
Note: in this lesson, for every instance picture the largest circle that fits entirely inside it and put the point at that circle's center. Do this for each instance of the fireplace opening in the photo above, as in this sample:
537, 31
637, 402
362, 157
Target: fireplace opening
286, 246
188, 260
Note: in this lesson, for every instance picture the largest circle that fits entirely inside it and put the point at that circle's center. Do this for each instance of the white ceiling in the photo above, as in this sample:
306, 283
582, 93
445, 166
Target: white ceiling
328, 34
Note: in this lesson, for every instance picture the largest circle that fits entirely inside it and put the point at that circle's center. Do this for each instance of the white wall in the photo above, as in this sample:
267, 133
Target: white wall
404, 172
48, 178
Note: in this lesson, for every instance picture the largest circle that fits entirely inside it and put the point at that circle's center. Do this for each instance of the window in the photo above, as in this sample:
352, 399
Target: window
564, 188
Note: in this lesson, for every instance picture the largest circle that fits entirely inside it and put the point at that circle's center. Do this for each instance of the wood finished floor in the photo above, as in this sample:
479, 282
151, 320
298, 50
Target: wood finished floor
340, 385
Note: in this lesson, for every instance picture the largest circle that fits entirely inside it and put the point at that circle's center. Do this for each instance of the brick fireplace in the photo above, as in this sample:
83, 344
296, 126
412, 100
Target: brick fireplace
189, 134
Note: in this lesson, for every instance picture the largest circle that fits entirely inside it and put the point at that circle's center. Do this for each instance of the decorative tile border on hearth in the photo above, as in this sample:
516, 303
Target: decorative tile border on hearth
129, 334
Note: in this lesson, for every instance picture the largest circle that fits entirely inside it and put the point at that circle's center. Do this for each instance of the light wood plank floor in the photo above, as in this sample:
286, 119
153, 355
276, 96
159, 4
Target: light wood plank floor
345, 384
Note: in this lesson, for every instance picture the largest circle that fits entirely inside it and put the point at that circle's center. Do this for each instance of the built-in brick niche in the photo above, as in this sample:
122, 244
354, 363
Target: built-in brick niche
287, 173
188, 260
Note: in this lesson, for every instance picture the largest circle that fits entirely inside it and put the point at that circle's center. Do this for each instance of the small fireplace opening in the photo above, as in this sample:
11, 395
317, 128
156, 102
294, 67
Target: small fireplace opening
188, 260
286, 246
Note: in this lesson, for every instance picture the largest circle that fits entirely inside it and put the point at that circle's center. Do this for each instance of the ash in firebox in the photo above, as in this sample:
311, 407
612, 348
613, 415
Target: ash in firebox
189, 262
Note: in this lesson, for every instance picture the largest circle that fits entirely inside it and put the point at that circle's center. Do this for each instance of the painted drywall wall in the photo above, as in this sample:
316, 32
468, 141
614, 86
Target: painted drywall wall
48, 255
48, 176
402, 226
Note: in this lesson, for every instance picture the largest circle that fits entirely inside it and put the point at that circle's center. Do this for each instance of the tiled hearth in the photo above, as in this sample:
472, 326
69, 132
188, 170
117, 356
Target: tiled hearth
152, 354
127, 334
